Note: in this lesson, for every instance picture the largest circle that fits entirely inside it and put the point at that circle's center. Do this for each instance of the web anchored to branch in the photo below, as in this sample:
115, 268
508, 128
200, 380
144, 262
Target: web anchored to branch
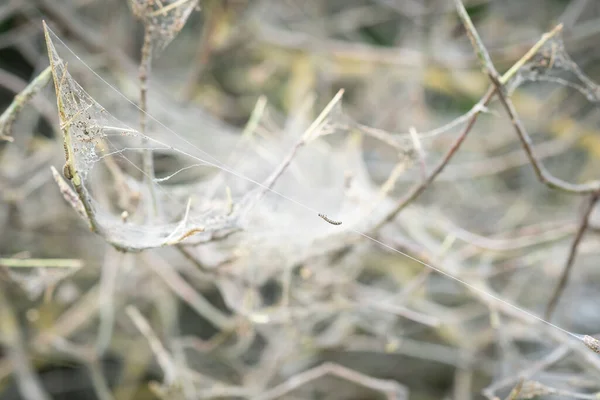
248, 196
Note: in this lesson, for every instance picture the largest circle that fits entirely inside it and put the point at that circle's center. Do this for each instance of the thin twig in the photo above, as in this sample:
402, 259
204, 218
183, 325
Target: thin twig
242, 144
41, 263
514, 394
212, 17
70, 321
28, 383
64, 17
62, 83
90, 358
543, 175
9, 115
540, 170
187, 293
419, 150
392, 390
165, 9
144, 72
162, 356
550, 359
489, 296
416, 190
69, 195
110, 270
59, 73
307, 136
564, 278
99, 382
496, 164
17, 85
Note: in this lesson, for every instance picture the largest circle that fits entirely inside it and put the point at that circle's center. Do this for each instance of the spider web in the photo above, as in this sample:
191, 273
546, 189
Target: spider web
166, 18
97, 143
248, 193
238, 194
553, 64
258, 196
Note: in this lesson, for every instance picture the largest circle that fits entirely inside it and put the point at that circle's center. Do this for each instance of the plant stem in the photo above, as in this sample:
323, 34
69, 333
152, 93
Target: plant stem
147, 160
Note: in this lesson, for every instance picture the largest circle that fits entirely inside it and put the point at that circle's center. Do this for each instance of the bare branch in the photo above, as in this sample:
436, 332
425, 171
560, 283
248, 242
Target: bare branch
564, 278
542, 173
9, 115
392, 389
163, 357
418, 189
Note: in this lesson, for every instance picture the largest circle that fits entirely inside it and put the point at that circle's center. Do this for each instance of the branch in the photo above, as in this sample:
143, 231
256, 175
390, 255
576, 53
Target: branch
489, 296
144, 73
204, 50
562, 283
9, 115
69, 170
542, 173
107, 292
555, 356
163, 357
392, 389
418, 189
311, 133
67, 263
188, 294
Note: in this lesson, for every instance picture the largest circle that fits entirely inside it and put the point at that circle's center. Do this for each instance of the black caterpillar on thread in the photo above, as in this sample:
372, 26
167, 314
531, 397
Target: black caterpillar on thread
332, 222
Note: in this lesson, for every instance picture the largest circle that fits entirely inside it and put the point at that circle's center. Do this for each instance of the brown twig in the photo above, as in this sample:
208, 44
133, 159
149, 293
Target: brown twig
69, 195
543, 175
59, 73
418, 189
540, 170
564, 278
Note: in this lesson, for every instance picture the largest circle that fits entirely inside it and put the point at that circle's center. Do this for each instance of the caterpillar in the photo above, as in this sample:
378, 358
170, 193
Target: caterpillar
332, 222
